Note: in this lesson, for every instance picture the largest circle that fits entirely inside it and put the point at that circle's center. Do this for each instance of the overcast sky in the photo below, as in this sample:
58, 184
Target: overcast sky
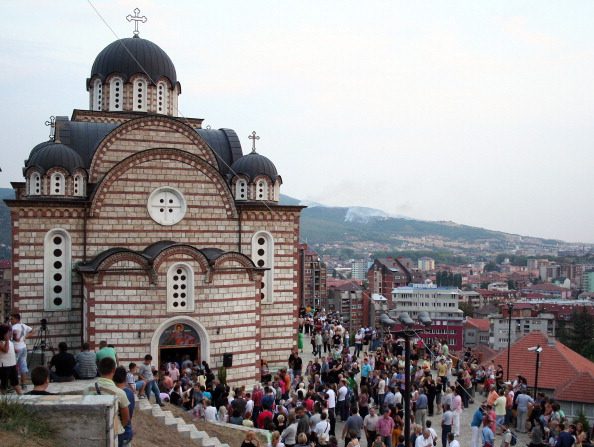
479, 112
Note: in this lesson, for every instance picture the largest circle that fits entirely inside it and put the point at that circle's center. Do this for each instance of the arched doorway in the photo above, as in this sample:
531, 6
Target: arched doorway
177, 338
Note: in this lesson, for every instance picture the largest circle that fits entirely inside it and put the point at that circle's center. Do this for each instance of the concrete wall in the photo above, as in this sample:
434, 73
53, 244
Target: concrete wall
80, 420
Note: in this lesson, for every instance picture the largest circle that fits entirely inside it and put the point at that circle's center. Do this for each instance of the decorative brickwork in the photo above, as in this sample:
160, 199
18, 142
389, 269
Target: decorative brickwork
137, 275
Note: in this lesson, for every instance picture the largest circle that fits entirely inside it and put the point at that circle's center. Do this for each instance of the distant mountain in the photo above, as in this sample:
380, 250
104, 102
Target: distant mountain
352, 226
322, 225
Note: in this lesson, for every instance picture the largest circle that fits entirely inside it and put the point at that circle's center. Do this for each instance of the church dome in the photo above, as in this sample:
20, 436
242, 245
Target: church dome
132, 55
51, 154
253, 165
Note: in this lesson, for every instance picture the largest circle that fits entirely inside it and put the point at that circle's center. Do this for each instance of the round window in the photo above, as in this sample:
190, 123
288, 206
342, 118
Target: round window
166, 205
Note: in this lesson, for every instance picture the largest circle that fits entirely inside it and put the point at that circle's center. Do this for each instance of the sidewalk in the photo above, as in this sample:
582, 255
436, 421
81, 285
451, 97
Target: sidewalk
465, 418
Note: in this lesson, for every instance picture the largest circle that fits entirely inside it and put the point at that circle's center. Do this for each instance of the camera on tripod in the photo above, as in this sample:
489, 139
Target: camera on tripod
43, 323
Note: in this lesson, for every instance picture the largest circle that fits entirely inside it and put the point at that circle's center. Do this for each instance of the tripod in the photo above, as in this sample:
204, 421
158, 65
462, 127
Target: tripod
43, 342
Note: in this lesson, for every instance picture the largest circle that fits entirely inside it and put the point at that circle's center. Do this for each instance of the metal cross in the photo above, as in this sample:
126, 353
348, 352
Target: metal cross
52, 123
136, 18
254, 137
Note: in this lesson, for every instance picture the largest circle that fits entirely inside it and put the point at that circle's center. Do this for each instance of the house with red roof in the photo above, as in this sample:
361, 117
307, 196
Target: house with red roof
562, 374
476, 332
547, 290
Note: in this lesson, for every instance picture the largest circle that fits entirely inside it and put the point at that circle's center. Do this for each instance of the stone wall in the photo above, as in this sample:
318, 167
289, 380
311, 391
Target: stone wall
79, 420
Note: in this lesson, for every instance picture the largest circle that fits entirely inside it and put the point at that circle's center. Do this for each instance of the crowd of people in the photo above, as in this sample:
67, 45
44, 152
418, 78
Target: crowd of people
362, 385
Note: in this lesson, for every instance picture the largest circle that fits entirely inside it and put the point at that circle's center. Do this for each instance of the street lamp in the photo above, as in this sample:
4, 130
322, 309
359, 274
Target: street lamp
538, 350
407, 331
510, 308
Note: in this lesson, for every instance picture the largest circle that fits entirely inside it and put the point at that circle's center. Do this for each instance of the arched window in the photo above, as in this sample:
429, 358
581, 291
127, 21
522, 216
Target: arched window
56, 271
97, 94
180, 288
116, 94
140, 93
162, 97
241, 190
57, 184
79, 185
263, 257
34, 184
262, 190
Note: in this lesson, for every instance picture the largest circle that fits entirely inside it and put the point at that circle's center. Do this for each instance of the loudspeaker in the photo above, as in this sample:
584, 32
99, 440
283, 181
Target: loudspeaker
227, 360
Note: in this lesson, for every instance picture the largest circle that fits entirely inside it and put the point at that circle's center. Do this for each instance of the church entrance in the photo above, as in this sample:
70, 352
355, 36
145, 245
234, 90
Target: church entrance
178, 342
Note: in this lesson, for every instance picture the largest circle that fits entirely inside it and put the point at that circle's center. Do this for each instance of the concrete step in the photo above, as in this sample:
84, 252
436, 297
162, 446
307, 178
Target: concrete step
184, 430
144, 405
170, 421
211, 442
198, 436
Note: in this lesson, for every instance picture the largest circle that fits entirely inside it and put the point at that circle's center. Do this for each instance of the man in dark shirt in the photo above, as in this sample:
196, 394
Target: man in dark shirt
63, 363
565, 438
40, 379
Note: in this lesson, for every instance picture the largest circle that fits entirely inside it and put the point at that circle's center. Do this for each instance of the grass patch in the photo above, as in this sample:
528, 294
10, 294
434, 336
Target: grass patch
23, 419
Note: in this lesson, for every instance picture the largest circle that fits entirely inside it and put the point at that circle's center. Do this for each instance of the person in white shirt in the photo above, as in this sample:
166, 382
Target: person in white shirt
397, 397
370, 425
424, 440
210, 412
432, 431
323, 426
331, 404
341, 404
20, 331
452, 441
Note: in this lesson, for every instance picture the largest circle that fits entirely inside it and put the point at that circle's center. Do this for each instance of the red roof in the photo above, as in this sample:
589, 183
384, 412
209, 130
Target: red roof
574, 389
546, 286
482, 324
559, 367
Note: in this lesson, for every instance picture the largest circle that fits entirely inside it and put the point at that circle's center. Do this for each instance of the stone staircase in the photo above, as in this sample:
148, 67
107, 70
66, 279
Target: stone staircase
186, 430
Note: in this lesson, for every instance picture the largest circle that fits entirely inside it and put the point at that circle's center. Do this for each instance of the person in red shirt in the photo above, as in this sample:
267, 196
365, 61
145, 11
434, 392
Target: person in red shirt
257, 395
264, 418
308, 403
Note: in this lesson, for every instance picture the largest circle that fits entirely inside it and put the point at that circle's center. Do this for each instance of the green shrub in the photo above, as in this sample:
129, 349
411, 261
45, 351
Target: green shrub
23, 419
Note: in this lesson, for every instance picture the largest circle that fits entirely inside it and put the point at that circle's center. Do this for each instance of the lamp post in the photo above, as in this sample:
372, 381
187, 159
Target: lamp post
510, 308
407, 331
538, 350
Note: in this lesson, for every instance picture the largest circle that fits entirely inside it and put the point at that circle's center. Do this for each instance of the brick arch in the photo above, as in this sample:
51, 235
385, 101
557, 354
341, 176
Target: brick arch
239, 258
162, 121
131, 256
162, 154
187, 250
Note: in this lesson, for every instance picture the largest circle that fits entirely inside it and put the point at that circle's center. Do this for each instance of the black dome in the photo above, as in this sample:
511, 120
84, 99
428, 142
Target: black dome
134, 55
38, 148
50, 155
253, 165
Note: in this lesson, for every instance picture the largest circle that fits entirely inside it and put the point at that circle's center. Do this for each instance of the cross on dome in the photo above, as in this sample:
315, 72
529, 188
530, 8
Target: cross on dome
254, 137
136, 18
52, 123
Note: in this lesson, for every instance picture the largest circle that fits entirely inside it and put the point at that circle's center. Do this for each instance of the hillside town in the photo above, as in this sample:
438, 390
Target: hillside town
158, 291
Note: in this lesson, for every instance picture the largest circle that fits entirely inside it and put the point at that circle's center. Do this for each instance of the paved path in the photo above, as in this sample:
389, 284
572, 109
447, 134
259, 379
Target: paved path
465, 418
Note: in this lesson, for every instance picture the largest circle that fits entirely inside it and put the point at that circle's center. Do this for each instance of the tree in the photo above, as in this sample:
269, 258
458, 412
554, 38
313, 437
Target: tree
484, 285
511, 284
491, 267
467, 309
578, 336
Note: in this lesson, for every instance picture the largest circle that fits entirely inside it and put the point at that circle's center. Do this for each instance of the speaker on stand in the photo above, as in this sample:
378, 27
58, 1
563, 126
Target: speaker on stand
227, 360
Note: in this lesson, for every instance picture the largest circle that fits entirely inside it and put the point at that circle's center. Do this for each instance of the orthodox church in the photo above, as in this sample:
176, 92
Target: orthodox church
141, 228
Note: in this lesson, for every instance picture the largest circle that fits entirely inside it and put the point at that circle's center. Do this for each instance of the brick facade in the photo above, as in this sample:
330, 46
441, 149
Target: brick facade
125, 298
